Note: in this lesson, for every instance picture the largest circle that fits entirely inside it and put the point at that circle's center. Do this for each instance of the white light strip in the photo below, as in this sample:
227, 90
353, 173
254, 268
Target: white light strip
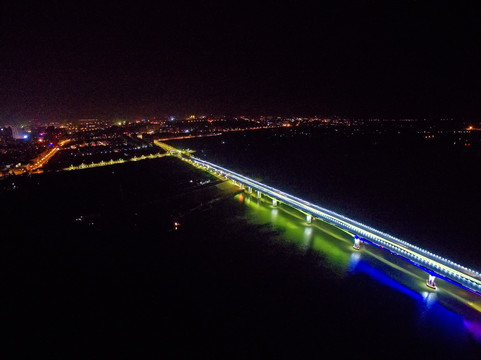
364, 230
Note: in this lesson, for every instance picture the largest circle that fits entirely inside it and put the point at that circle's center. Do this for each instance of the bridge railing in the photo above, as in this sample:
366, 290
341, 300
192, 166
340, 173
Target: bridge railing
431, 262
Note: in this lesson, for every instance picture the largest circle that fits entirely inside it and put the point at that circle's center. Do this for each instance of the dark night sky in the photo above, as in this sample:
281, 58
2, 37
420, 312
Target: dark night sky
365, 58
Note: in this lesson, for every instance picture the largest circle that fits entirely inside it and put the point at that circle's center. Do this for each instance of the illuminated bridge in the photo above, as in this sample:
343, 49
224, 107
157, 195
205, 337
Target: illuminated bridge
434, 265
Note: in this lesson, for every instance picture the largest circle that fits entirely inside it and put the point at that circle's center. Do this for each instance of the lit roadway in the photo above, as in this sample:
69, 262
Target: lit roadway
43, 158
113, 162
434, 265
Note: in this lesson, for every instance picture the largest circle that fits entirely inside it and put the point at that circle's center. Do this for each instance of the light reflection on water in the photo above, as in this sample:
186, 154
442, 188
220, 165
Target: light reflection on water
335, 248
474, 328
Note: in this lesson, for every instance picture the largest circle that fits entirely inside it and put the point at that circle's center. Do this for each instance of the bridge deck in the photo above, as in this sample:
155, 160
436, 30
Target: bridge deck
430, 262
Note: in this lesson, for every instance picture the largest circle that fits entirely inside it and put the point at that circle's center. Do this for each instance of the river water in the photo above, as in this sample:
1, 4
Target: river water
268, 283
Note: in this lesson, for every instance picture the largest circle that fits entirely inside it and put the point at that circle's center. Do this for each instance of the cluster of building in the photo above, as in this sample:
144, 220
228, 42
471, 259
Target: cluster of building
24, 147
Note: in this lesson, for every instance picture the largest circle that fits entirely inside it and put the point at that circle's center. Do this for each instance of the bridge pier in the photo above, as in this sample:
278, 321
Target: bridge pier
309, 219
274, 202
259, 194
430, 282
249, 190
357, 243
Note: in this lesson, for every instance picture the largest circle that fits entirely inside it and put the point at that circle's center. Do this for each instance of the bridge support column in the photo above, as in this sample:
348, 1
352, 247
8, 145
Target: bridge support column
309, 219
249, 190
259, 194
274, 202
430, 282
357, 243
